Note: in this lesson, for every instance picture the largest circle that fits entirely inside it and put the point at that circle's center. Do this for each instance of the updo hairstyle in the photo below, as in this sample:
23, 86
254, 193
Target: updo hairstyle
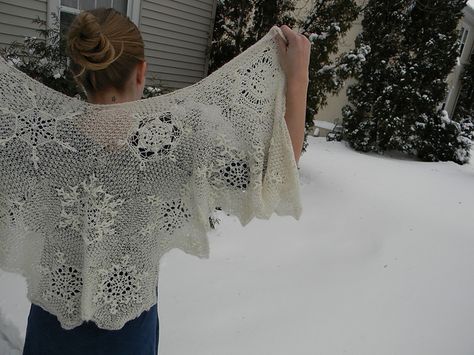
104, 47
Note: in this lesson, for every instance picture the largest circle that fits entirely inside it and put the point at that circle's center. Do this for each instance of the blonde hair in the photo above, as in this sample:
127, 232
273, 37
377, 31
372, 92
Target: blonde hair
104, 47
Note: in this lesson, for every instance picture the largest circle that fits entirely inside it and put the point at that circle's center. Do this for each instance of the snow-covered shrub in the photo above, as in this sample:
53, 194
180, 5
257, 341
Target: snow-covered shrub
395, 104
155, 90
239, 24
44, 58
325, 24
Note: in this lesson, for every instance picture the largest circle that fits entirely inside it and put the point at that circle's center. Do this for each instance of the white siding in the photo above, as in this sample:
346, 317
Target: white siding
177, 36
16, 19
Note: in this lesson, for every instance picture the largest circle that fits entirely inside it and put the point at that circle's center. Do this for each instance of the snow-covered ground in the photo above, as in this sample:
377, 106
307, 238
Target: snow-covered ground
380, 263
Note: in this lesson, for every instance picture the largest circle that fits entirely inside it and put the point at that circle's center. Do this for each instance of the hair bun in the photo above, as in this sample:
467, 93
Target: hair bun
87, 45
104, 48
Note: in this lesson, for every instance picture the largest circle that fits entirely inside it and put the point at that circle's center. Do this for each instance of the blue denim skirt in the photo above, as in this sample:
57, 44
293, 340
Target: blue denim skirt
45, 336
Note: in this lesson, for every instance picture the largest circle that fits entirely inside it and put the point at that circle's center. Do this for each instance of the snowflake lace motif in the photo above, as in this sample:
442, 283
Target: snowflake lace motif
33, 125
65, 283
230, 168
157, 134
120, 285
168, 215
171, 214
89, 210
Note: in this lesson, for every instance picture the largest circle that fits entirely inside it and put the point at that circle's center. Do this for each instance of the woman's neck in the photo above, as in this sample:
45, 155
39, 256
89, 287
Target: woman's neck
110, 96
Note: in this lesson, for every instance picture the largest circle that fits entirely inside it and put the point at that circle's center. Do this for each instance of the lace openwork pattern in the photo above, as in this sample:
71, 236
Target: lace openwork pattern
91, 196
88, 209
65, 283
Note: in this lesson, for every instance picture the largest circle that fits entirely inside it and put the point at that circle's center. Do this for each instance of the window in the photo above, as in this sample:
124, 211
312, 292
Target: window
68, 9
463, 36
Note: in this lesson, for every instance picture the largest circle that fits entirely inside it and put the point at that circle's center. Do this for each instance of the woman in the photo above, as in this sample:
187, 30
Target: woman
107, 55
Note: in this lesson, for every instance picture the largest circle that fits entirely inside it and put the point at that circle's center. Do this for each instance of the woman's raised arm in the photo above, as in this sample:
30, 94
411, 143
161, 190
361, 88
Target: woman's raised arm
294, 59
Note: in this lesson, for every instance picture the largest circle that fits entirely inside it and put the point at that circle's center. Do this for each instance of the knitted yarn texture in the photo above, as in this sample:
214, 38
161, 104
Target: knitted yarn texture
91, 196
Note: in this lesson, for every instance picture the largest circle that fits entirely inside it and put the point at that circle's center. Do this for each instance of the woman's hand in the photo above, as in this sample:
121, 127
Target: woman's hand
294, 55
294, 60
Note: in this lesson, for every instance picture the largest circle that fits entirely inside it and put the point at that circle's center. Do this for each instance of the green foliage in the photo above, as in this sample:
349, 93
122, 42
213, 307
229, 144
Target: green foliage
213, 220
327, 22
155, 88
395, 104
268, 13
239, 24
44, 58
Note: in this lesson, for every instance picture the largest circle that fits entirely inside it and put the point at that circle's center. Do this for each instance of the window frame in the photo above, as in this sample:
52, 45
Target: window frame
460, 86
463, 39
54, 6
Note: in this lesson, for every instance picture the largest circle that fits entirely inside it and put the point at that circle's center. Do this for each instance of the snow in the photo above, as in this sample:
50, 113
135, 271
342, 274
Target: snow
314, 36
444, 114
11, 342
470, 3
380, 262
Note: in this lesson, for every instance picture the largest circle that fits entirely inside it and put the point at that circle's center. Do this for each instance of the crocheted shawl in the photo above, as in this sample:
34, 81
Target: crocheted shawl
91, 196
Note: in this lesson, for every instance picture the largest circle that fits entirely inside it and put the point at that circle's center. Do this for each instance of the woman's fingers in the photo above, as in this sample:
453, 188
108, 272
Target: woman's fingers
281, 44
290, 34
294, 57
281, 50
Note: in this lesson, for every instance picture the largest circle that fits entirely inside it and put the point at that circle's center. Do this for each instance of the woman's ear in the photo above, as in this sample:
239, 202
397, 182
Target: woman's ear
141, 77
141, 72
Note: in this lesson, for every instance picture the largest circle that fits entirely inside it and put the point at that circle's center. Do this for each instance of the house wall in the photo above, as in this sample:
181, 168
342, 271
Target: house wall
177, 35
454, 84
302, 8
16, 19
331, 113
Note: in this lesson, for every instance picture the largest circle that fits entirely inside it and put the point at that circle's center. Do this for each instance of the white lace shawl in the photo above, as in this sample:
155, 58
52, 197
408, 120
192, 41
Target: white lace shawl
91, 196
